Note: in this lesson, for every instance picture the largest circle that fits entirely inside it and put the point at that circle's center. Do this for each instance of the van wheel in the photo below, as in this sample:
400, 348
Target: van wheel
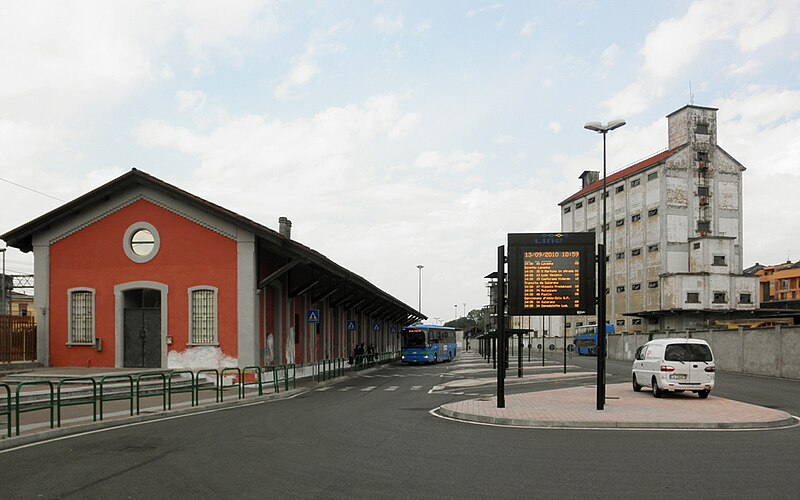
703, 394
636, 386
657, 392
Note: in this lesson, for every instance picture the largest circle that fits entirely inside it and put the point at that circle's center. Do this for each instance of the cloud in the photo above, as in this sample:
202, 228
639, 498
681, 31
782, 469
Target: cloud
388, 26
748, 67
456, 161
422, 28
305, 66
554, 127
677, 42
609, 56
482, 10
529, 27
60, 56
190, 100
633, 99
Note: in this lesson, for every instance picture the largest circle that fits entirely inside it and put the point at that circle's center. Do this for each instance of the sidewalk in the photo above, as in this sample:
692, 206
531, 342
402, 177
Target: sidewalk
624, 409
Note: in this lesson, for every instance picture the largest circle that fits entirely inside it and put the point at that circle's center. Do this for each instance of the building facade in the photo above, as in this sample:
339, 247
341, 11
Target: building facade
139, 273
673, 232
779, 284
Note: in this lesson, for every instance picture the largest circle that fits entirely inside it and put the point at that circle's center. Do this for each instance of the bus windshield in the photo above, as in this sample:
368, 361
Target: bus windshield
414, 339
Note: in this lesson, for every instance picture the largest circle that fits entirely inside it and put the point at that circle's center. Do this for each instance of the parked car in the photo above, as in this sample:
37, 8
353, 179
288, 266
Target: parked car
674, 365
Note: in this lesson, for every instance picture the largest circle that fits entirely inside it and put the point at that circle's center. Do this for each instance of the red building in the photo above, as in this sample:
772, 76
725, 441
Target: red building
139, 273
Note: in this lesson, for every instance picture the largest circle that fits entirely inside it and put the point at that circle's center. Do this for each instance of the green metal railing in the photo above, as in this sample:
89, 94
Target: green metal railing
275, 383
116, 397
34, 407
257, 374
215, 388
7, 410
78, 400
238, 383
285, 369
162, 392
178, 390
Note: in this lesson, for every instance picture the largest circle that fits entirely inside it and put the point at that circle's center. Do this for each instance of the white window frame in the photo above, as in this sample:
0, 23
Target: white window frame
190, 329
93, 320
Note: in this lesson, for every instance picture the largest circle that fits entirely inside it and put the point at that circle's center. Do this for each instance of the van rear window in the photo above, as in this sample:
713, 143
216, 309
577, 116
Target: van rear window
688, 352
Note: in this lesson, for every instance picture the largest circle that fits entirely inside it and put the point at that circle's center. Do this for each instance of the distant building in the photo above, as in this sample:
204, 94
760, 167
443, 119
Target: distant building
779, 284
674, 232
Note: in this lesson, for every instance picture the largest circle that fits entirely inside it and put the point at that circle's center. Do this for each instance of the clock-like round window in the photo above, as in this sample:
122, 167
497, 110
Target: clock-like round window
141, 242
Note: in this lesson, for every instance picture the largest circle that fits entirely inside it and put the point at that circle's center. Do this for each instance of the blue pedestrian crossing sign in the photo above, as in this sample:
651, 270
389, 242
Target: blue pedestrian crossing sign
376, 328
312, 316
393, 329
351, 324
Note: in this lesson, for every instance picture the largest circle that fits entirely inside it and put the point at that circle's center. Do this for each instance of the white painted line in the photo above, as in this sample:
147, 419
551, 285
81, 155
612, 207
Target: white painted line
436, 388
391, 388
322, 389
365, 389
346, 388
416, 387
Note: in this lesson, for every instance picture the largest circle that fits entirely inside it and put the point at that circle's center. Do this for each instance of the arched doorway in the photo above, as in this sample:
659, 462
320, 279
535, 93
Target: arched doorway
142, 328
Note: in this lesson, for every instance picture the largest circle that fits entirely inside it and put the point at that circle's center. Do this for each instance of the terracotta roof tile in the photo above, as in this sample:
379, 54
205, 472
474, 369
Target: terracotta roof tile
626, 172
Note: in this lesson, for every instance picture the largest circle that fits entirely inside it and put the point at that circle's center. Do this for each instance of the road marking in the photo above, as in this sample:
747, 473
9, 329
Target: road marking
321, 389
365, 389
346, 388
436, 388
391, 388
416, 387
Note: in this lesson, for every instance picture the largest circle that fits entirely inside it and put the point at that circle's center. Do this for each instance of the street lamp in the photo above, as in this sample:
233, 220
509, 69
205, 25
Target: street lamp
419, 307
455, 316
601, 270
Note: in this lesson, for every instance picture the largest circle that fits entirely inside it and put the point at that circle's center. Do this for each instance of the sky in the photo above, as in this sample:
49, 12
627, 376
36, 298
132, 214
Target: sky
392, 134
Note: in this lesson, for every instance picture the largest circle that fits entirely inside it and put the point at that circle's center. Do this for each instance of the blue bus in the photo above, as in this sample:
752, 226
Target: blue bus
586, 339
427, 344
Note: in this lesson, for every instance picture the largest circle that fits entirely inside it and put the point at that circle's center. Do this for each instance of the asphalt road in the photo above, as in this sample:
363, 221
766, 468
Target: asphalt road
373, 437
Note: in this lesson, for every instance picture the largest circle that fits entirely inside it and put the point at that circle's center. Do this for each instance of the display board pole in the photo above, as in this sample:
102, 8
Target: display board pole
501, 336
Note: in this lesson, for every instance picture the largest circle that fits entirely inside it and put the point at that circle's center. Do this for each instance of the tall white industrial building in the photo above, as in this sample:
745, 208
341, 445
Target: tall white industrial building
674, 233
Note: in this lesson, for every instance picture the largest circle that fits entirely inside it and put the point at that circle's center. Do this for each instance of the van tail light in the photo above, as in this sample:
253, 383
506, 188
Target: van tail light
667, 368
710, 369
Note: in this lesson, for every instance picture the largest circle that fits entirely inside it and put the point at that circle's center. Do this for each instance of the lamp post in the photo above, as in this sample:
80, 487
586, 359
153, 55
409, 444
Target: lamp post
419, 306
601, 271
455, 315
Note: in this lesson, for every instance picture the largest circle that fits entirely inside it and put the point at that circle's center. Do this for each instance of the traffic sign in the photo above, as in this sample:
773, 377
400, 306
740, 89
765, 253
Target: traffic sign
312, 316
377, 328
393, 329
351, 324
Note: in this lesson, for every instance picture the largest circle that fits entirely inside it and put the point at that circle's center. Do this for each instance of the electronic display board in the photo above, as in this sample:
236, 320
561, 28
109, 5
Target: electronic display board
551, 274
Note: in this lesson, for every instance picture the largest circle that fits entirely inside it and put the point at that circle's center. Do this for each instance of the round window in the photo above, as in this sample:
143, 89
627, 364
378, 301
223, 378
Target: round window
141, 242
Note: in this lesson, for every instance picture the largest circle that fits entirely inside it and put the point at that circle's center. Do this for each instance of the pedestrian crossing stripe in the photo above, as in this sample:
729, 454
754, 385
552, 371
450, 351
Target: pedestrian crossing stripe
391, 388
366, 389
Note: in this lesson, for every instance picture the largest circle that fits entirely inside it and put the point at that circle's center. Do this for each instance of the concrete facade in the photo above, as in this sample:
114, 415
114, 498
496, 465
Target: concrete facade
674, 232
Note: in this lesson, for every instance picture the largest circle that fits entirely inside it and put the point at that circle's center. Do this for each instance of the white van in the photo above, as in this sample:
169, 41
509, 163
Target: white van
674, 365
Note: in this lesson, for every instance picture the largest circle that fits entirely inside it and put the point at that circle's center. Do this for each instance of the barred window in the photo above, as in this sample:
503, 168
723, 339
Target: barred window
203, 316
81, 317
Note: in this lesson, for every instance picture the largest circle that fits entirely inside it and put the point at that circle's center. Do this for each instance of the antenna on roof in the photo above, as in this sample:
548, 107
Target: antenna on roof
691, 94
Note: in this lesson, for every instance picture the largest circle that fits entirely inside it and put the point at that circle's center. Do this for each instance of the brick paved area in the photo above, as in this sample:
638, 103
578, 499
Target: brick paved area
576, 407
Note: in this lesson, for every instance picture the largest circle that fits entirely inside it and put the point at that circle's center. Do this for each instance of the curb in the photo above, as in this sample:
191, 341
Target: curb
550, 424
